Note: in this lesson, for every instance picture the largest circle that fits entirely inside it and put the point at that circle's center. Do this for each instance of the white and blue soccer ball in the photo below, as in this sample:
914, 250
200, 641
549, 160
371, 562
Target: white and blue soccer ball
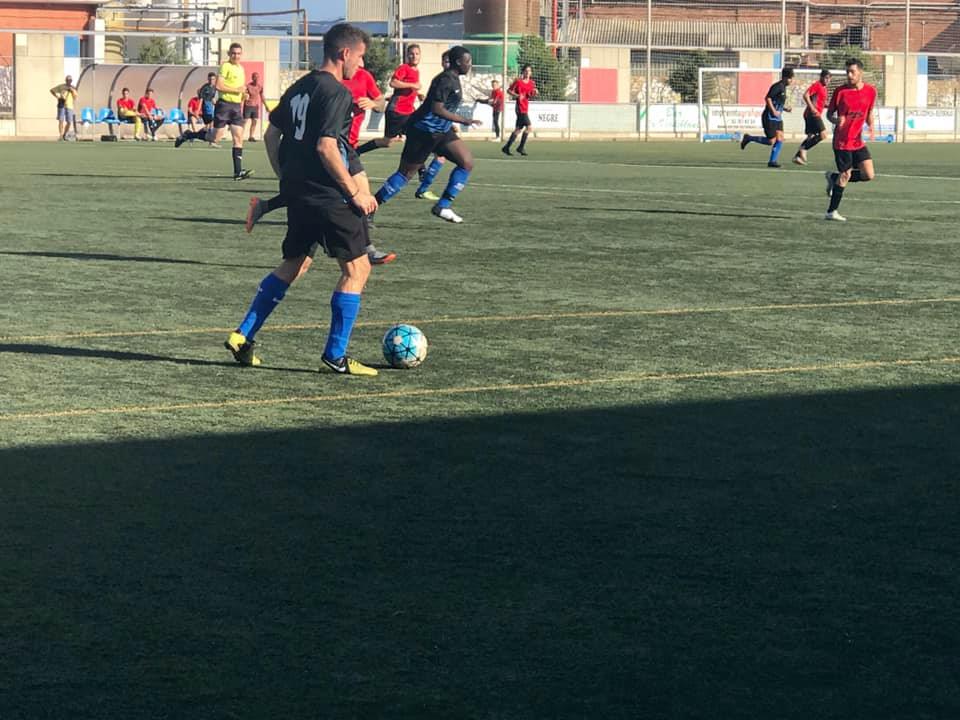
404, 346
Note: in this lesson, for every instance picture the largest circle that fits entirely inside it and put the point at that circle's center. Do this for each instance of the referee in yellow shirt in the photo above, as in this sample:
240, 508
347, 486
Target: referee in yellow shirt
231, 85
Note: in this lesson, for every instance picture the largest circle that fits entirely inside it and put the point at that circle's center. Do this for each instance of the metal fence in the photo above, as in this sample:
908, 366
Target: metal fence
623, 59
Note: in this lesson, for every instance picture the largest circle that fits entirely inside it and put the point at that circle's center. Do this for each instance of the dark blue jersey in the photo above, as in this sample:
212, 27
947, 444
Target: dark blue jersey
444, 89
777, 95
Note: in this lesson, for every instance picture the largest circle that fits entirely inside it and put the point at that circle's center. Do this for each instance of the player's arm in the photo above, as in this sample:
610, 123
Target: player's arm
397, 84
373, 100
439, 110
808, 101
832, 108
223, 87
271, 141
56, 90
870, 117
329, 152
771, 107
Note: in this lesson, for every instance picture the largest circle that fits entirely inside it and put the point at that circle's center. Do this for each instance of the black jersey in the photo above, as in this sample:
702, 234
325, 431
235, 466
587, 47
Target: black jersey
778, 96
314, 107
445, 88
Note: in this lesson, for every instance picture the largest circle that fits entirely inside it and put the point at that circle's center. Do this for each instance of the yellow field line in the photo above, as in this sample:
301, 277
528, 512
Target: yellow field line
508, 318
435, 392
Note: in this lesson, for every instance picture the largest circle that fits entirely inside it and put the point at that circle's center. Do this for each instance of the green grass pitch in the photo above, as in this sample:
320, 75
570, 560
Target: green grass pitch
681, 449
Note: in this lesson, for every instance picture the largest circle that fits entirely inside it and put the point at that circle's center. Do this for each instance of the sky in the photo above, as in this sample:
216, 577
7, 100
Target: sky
316, 9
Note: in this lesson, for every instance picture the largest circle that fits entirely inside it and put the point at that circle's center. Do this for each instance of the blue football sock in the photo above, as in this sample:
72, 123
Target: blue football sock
458, 179
429, 175
775, 152
394, 184
344, 310
269, 294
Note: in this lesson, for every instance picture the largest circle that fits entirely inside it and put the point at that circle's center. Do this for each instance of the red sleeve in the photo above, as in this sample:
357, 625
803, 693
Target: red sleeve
373, 91
513, 87
833, 101
533, 88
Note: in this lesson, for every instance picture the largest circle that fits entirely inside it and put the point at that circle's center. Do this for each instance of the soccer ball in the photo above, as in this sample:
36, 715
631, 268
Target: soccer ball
404, 346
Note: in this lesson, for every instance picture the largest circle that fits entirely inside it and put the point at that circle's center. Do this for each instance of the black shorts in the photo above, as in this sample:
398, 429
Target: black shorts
813, 125
396, 124
847, 159
227, 113
771, 126
251, 113
523, 120
419, 144
336, 226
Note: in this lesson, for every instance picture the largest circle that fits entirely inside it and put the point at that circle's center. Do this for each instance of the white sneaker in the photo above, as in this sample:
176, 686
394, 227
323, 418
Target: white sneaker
835, 216
446, 214
799, 159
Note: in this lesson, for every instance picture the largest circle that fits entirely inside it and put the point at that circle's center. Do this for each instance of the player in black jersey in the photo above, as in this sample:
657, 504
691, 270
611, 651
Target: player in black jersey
326, 206
775, 104
430, 130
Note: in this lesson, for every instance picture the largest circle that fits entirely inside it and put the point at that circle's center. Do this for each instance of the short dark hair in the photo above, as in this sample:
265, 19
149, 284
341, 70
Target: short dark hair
524, 67
455, 53
786, 73
342, 36
211, 75
854, 61
149, 90
410, 47
238, 46
824, 73
123, 90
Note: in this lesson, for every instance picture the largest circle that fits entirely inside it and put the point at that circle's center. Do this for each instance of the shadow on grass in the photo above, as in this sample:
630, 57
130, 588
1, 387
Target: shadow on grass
61, 351
789, 557
670, 211
218, 221
125, 258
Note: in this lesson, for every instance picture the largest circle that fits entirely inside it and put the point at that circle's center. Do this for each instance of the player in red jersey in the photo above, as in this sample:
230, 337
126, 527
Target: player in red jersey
523, 88
406, 89
814, 98
850, 107
150, 114
495, 101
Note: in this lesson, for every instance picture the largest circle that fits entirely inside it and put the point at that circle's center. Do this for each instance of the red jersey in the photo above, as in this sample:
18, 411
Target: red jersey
818, 96
402, 100
194, 106
524, 90
125, 103
496, 99
146, 106
853, 107
361, 85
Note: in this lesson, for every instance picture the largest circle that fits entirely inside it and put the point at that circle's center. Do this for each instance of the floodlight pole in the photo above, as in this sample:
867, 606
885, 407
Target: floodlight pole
504, 85
783, 33
906, 60
646, 114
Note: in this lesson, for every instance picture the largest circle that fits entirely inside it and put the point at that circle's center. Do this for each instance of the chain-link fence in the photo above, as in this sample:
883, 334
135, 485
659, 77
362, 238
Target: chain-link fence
610, 68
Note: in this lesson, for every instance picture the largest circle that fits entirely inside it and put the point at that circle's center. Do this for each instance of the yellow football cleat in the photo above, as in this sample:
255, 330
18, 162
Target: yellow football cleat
241, 349
348, 366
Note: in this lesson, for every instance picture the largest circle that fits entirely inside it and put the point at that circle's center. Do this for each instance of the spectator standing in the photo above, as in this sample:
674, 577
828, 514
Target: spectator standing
253, 99
66, 95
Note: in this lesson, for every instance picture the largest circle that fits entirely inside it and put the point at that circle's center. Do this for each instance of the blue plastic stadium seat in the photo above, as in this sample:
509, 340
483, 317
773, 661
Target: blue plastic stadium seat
176, 116
87, 116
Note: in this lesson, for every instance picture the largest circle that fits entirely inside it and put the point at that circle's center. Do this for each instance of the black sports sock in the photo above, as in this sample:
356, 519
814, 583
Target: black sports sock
855, 176
277, 201
810, 142
523, 142
367, 147
513, 136
835, 197
237, 161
